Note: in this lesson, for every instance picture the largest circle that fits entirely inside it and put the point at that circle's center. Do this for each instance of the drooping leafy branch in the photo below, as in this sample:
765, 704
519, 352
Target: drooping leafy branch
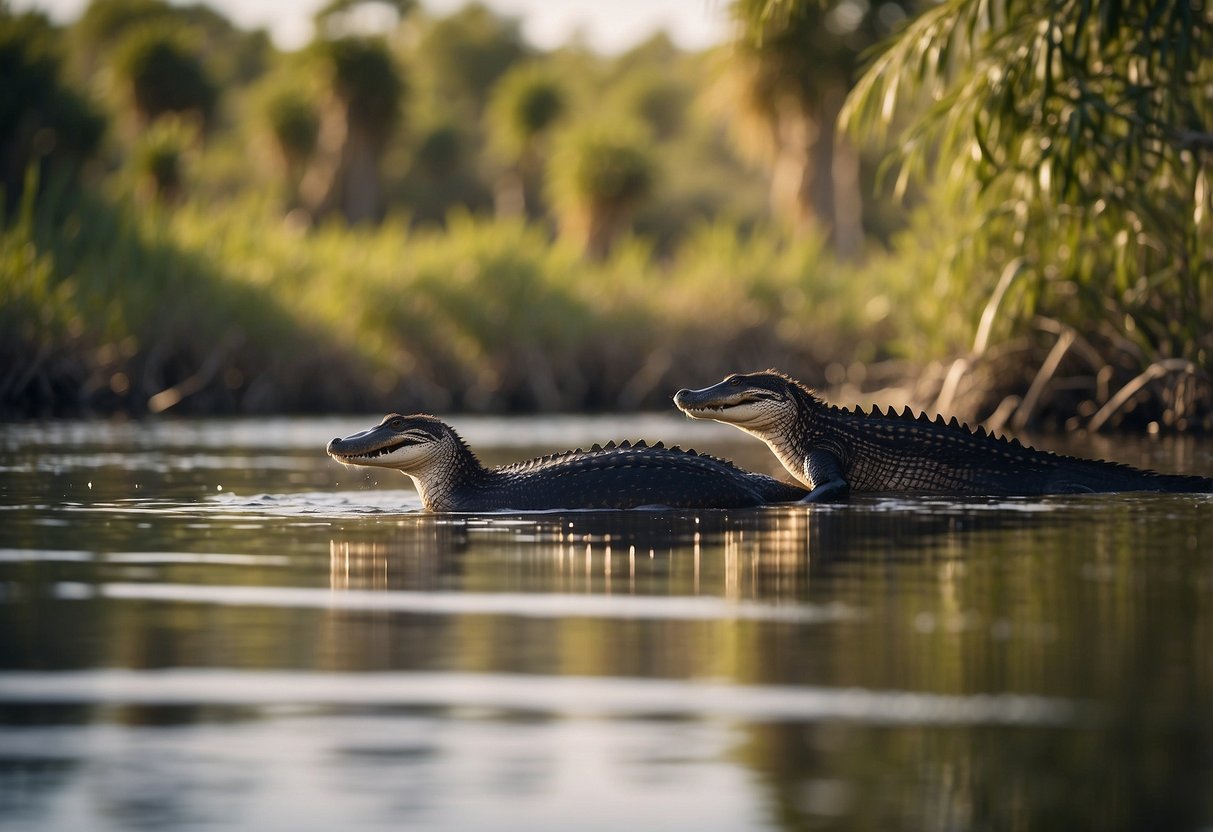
1081, 132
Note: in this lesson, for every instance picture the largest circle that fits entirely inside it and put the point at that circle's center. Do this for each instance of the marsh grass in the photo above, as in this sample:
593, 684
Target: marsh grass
112, 306
105, 309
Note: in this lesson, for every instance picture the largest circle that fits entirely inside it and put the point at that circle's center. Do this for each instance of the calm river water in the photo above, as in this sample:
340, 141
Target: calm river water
209, 625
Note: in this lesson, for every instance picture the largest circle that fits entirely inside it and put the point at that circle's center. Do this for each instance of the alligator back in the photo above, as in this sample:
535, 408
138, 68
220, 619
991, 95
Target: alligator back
621, 477
903, 452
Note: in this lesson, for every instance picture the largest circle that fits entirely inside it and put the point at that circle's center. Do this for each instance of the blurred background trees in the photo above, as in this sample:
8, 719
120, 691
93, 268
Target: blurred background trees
1042, 215
293, 123
791, 68
465, 54
45, 122
361, 109
526, 103
601, 172
163, 73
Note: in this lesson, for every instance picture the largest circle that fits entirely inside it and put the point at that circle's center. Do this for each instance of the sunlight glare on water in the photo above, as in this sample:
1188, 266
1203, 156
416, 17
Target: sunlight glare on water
209, 624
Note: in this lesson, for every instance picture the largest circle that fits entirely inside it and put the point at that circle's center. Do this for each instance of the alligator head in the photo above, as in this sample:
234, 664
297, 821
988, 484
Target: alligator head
758, 403
405, 443
769, 405
426, 449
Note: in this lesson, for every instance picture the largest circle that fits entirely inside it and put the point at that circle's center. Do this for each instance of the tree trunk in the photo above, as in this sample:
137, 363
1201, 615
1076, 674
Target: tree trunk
815, 181
838, 167
344, 174
791, 173
360, 186
509, 196
606, 222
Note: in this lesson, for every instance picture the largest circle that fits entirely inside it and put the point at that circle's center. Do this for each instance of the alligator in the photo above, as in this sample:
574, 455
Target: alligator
449, 477
834, 451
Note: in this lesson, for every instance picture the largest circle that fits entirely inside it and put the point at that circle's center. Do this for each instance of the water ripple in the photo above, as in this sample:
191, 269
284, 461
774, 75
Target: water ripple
524, 605
314, 504
550, 694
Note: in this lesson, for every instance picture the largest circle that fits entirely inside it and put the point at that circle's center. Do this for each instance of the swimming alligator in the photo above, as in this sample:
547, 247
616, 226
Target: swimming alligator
833, 451
449, 477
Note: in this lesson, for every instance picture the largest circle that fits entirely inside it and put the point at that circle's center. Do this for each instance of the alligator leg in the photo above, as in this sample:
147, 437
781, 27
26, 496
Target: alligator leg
822, 470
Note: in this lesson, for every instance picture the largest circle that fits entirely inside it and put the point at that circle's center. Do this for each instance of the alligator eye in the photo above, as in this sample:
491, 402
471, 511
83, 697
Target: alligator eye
396, 424
735, 381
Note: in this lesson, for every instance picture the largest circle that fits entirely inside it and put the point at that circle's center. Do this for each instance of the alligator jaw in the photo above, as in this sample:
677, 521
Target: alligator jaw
717, 402
367, 447
696, 404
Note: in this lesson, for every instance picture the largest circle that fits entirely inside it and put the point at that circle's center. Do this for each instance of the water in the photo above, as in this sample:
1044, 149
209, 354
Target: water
209, 625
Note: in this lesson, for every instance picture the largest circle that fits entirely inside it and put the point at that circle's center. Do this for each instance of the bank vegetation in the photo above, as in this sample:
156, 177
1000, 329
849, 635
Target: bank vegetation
997, 210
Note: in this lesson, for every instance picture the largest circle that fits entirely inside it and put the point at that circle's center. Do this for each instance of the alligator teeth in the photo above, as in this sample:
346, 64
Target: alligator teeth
386, 449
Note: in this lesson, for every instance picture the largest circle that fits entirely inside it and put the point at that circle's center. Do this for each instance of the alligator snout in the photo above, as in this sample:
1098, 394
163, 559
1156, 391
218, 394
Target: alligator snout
692, 401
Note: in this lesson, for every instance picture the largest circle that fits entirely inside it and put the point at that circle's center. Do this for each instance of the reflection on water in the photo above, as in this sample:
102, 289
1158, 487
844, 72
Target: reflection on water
210, 625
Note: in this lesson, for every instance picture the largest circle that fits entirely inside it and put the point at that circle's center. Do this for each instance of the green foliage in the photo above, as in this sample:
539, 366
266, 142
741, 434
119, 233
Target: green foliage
465, 54
526, 102
107, 308
165, 73
442, 175
359, 116
36, 309
805, 50
441, 150
394, 317
41, 118
801, 47
293, 121
607, 164
1060, 171
657, 99
600, 172
232, 57
365, 77
1078, 133
792, 63
159, 158
105, 22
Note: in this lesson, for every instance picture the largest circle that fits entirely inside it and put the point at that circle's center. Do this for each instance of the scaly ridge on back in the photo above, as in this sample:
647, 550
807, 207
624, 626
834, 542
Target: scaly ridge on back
954, 428
622, 448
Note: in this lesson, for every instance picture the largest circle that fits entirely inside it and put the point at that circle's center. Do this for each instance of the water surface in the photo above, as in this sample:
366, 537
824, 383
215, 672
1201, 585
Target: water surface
209, 625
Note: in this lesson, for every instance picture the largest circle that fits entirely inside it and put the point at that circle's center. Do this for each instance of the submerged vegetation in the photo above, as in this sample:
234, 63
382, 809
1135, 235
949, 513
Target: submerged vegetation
440, 217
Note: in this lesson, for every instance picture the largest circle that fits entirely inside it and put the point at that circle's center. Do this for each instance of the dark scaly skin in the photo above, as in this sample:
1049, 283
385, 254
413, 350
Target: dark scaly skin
449, 477
833, 451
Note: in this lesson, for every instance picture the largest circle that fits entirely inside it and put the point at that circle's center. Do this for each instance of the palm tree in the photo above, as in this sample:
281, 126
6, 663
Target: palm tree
791, 66
294, 125
600, 173
524, 106
165, 74
356, 121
